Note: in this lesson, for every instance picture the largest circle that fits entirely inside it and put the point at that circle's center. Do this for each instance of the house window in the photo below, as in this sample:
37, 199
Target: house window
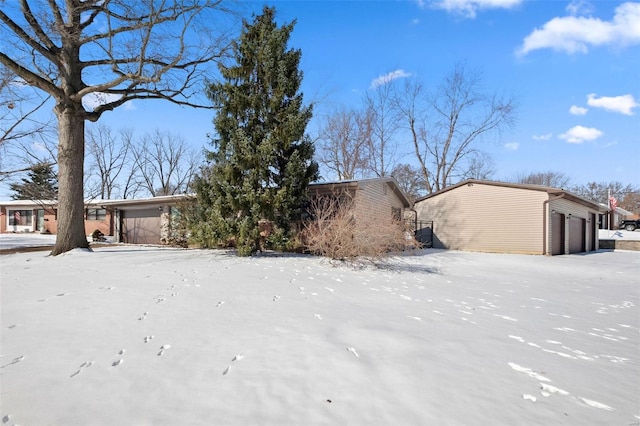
20, 217
96, 214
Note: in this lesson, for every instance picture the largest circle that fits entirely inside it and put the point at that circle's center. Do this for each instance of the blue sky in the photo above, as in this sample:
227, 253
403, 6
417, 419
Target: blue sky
574, 68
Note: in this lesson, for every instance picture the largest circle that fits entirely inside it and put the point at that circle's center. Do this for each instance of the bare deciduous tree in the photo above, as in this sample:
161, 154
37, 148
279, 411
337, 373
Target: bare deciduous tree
550, 179
108, 52
384, 125
108, 153
446, 127
344, 143
164, 164
19, 105
479, 165
627, 195
410, 179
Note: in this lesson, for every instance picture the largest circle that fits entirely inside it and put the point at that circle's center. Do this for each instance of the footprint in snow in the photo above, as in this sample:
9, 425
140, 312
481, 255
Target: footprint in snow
163, 348
15, 361
318, 316
235, 359
84, 365
505, 317
594, 404
275, 298
547, 390
220, 303
147, 339
118, 362
353, 351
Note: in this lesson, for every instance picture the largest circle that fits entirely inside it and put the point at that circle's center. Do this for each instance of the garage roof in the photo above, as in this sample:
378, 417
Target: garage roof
550, 190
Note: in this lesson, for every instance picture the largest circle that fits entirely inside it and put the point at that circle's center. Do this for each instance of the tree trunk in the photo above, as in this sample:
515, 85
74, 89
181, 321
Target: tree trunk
71, 233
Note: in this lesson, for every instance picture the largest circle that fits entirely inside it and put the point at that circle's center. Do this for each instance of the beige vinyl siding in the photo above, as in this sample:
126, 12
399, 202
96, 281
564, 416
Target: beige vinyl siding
489, 218
375, 201
577, 211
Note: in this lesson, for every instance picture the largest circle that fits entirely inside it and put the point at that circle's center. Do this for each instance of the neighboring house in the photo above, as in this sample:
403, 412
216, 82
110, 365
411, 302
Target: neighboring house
376, 199
500, 217
26, 216
42, 216
148, 221
143, 221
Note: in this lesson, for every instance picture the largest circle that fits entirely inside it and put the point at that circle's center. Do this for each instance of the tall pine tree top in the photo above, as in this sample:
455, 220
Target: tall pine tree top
262, 160
41, 184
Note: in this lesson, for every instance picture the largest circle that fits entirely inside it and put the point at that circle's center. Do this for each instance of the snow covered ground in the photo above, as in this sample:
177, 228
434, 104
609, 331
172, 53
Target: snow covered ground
34, 239
28, 239
133, 335
8, 241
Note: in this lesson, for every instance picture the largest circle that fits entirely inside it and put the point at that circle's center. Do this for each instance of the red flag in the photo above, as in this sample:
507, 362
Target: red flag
613, 203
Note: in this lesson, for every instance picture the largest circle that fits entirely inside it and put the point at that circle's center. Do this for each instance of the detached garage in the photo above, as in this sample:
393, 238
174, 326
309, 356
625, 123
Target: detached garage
499, 217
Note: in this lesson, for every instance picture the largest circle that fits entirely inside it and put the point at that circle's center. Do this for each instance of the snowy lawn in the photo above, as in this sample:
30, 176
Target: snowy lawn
33, 239
132, 335
30, 239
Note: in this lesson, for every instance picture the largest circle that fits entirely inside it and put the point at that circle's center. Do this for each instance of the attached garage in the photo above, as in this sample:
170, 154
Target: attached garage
140, 226
143, 221
500, 217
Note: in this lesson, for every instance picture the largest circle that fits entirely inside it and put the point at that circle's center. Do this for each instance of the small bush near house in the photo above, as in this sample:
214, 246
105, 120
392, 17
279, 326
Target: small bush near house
334, 232
97, 235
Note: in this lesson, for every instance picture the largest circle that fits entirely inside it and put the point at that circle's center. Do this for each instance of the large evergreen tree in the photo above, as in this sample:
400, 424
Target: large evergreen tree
262, 160
41, 184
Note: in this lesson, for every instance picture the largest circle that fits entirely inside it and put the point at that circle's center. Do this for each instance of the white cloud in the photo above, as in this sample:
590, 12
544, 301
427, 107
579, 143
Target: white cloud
468, 8
544, 137
579, 7
388, 78
512, 146
622, 104
580, 134
129, 106
576, 110
95, 99
574, 34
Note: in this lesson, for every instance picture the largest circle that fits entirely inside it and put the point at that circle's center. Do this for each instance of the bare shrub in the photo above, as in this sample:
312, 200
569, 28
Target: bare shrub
335, 232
